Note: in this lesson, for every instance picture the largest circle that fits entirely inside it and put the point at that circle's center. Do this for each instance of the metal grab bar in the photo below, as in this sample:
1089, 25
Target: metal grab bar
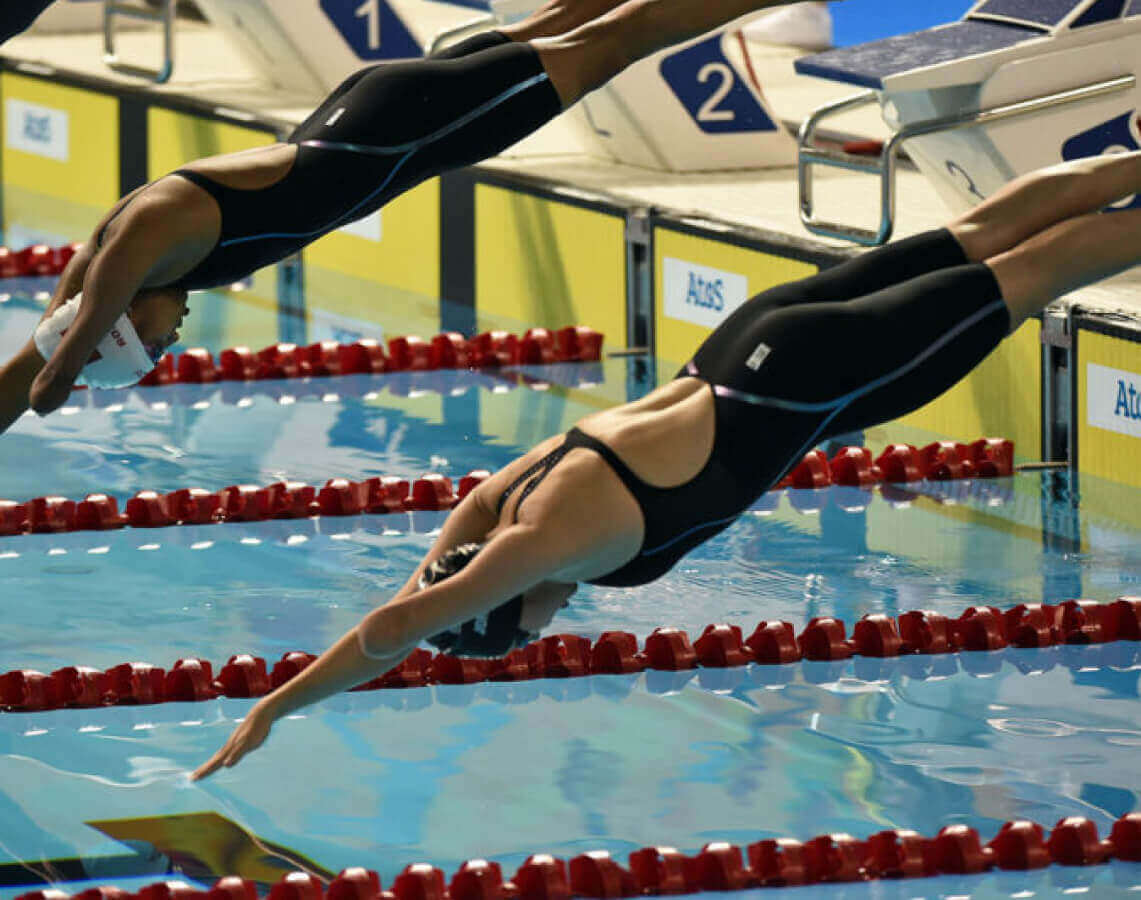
164, 14
810, 155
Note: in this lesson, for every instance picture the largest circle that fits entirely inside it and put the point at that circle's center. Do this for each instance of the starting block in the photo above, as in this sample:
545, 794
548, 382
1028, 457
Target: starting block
1015, 86
310, 46
688, 108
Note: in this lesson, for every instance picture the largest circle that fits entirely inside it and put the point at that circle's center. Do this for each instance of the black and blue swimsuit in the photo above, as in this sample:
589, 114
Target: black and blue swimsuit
857, 345
384, 130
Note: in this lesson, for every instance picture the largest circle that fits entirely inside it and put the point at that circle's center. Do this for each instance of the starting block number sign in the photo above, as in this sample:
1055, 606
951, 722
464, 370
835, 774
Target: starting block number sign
708, 86
371, 28
1118, 135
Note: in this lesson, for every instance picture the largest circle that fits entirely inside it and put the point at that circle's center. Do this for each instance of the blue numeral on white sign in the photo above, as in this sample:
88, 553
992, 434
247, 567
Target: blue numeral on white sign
708, 87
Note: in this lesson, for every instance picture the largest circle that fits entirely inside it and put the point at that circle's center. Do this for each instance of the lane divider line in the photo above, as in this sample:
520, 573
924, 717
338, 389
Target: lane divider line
850, 467
918, 633
1019, 845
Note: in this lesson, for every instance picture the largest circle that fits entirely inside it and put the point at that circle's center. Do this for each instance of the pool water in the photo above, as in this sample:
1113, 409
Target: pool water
445, 773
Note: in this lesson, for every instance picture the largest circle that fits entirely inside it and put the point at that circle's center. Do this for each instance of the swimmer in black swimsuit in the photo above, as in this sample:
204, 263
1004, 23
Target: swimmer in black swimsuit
623, 496
384, 130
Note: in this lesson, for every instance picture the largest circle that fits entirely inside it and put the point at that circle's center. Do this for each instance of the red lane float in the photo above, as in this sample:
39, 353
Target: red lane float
903, 463
719, 866
237, 503
36, 260
326, 359
720, 646
851, 466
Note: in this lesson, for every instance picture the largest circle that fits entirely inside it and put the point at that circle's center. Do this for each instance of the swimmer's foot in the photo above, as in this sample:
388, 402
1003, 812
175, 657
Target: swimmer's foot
804, 25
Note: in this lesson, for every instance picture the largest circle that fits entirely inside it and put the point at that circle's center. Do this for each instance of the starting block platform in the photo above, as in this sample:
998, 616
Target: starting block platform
1015, 86
552, 232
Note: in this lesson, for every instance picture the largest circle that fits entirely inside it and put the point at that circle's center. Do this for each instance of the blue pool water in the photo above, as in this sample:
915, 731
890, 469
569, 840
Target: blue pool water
446, 773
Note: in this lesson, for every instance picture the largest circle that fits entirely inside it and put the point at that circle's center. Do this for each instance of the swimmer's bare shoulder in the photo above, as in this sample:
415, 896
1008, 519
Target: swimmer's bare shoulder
583, 505
166, 229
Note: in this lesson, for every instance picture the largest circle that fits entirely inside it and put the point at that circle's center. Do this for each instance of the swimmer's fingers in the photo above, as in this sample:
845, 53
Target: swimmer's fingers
247, 737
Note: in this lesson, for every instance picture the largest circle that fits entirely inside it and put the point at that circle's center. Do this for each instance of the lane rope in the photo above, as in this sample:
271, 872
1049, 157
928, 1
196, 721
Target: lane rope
917, 633
1019, 845
855, 467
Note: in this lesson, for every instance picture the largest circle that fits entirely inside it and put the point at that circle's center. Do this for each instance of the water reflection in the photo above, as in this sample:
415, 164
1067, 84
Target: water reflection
610, 762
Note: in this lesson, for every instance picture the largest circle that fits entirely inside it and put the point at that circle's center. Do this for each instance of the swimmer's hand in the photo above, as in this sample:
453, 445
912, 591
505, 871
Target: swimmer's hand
247, 737
50, 390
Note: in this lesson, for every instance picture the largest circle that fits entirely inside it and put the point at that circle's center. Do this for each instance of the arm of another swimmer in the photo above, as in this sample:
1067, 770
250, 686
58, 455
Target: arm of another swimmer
513, 561
111, 280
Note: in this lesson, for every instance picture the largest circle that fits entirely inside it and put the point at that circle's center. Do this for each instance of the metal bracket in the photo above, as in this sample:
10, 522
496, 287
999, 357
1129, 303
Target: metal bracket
1056, 330
449, 35
811, 155
164, 14
639, 278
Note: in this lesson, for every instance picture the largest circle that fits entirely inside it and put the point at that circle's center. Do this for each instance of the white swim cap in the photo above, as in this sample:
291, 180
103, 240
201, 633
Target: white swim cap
119, 360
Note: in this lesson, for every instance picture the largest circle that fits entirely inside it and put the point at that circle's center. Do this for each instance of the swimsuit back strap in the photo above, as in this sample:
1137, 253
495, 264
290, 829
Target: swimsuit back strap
534, 474
578, 438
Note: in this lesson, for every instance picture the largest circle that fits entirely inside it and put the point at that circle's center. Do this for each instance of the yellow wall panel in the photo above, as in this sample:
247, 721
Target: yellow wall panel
59, 142
676, 339
1102, 452
1002, 397
547, 264
373, 309
406, 258
175, 138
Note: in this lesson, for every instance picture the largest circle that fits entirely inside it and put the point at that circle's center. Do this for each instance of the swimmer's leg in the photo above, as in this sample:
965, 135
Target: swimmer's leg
484, 40
893, 351
432, 115
1036, 201
586, 57
1065, 257
848, 366
555, 17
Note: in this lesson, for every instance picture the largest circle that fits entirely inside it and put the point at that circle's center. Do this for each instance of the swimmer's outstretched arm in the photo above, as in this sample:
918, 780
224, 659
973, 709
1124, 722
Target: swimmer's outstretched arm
17, 375
110, 280
513, 561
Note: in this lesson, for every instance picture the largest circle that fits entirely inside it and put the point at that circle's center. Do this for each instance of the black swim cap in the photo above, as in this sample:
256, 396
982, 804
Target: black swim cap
490, 635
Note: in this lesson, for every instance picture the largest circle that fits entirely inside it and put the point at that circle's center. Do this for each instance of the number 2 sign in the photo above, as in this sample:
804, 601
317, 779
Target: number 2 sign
715, 97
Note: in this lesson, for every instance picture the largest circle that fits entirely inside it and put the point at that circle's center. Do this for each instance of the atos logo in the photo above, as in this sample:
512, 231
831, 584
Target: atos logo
706, 294
1113, 399
709, 88
38, 128
1120, 135
1128, 403
701, 294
